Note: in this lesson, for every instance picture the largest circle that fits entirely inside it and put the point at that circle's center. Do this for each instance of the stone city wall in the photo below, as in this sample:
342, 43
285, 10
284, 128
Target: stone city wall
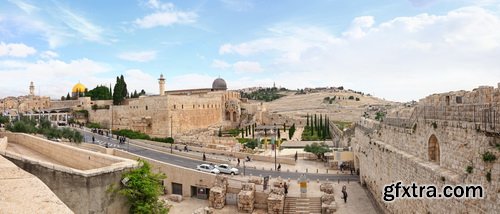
195, 112
69, 156
386, 154
80, 178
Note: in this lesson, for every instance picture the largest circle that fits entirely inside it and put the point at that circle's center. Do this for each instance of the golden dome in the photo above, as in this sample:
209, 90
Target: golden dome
78, 88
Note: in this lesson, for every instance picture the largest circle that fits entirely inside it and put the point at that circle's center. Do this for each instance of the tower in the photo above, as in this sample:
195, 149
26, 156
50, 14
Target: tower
32, 89
161, 82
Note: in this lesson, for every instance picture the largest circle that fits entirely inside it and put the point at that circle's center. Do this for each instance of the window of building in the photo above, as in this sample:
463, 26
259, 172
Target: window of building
459, 99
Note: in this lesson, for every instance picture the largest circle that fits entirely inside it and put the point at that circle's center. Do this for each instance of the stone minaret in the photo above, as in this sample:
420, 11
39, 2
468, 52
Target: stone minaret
32, 89
161, 81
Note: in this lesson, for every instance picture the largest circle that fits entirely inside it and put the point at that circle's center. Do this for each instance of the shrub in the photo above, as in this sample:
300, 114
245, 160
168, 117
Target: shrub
351, 97
94, 125
469, 169
131, 134
143, 189
434, 125
489, 157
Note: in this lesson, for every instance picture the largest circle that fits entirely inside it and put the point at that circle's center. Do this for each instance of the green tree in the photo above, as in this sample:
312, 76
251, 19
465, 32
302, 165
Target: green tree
68, 97
291, 131
320, 128
142, 189
318, 149
4, 119
307, 124
120, 91
99, 93
379, 116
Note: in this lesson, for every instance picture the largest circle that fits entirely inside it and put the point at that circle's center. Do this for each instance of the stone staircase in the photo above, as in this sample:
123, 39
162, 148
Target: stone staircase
302, 205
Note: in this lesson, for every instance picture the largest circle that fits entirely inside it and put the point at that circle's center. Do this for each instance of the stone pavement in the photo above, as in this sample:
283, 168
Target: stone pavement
357, 202
21, 192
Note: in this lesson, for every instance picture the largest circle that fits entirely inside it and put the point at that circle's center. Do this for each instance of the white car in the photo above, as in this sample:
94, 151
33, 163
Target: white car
224, 168
207, 168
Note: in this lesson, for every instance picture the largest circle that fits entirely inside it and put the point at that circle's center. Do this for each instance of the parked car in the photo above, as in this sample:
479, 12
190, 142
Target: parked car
224, 168
207, 168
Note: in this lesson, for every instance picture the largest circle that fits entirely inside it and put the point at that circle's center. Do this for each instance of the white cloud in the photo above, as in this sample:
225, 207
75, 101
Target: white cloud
46, 74
143, 56
358, 27
239, 67
56, 24
82, 26
189, 81
28, 8
165, 15
137, 79
402, 59
16, 49
246, 66
49, 55
220, 64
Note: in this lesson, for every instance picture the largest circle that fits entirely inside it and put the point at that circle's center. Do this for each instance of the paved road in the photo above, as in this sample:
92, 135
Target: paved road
191, 163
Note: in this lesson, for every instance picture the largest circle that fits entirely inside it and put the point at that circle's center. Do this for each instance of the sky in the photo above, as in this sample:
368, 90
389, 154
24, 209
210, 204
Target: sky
397, 50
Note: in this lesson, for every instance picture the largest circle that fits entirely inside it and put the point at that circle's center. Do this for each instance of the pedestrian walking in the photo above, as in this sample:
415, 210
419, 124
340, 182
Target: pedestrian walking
204, 157
344, 193
279, 167
296, 156
238, 162
286, 188
93, 139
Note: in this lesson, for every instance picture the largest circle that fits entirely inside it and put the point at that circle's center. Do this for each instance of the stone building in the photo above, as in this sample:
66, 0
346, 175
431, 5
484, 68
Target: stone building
174, 112
27, 103
442, 141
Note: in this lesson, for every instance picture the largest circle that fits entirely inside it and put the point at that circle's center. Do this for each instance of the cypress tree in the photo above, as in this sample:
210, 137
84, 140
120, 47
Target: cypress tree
320, 133
307, 124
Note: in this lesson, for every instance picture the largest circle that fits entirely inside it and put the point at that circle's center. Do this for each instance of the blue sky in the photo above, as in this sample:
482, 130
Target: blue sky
398, 50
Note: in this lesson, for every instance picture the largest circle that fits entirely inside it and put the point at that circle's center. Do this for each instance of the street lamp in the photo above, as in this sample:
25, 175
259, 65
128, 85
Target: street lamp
275, 148
171, 143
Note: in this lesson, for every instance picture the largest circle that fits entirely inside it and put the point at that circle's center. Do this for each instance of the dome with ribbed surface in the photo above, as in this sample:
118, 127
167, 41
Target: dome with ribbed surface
219, 84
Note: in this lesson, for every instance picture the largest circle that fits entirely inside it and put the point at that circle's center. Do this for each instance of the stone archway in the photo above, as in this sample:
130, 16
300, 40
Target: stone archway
433, 149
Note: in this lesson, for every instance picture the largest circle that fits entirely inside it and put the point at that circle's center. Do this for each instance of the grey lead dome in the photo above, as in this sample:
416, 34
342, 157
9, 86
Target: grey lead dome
219, 84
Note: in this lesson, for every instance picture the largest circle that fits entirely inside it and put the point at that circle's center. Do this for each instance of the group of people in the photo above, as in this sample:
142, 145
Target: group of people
121, 139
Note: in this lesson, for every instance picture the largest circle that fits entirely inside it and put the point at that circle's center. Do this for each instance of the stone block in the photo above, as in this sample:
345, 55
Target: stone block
328, 208
217, 198
327, 199
275, 203
204, 210
326, 188
175, 198
248, 186
255, 180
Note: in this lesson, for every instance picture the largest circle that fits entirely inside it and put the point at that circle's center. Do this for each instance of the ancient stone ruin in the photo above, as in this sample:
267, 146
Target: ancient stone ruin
276, 200
246, 198
204, 210
217, 198
328, 205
